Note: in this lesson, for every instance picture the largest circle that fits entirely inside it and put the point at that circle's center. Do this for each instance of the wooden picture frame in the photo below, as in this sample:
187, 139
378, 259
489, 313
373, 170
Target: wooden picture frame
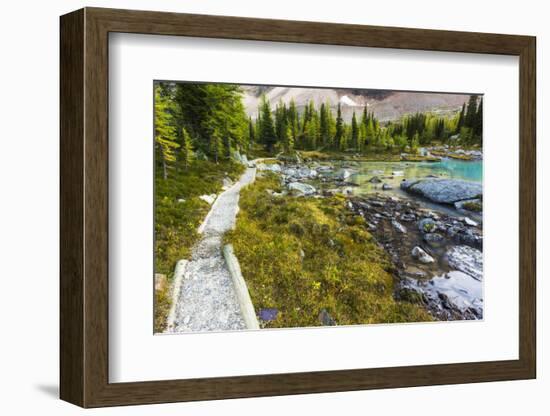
84, 207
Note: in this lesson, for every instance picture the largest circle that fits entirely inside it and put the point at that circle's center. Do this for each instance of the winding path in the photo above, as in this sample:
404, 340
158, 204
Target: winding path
207, 300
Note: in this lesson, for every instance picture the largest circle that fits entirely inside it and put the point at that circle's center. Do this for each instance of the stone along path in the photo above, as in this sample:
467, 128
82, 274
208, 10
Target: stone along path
207, 300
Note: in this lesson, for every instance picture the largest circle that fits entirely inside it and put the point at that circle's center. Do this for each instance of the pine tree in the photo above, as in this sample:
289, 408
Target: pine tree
370, 133
339, 134
251, 131
354, 133
324, 124
292, 117
460, 122
478, 121
471, 110
165, 131
187, 153
216, 146
414, 143
267, 129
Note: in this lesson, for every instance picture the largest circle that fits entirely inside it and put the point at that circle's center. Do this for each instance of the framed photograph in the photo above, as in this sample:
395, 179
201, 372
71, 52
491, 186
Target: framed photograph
256, 207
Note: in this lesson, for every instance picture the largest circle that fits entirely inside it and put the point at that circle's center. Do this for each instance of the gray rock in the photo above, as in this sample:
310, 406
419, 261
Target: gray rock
344, 174
398, 226
302, 188
423, 257
325, 319
444, 191
386, 187
408, 217
209, 199
273, 167
466, 259
434, 239
427, 225
469, 222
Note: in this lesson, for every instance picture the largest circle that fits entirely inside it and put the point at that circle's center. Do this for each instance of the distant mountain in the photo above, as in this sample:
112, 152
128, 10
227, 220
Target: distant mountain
386, 105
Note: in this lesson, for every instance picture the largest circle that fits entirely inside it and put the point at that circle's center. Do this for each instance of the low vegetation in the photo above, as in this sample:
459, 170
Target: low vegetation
312, 259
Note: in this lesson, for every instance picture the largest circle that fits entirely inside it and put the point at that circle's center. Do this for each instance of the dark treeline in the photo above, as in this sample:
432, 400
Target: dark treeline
208, 121
285, 129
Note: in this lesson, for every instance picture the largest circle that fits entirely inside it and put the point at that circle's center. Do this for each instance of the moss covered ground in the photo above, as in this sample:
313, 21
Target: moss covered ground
311, 258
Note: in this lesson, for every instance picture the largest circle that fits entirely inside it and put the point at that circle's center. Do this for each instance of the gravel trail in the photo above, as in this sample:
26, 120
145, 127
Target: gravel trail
207, 300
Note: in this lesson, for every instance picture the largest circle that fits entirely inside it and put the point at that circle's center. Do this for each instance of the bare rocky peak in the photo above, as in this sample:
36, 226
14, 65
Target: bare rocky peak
386, 105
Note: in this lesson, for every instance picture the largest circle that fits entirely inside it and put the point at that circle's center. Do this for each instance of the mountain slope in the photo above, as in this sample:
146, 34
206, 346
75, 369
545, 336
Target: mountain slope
386, 105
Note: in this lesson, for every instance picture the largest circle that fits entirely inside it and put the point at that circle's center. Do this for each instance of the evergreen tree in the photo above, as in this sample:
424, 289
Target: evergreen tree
370, 134
478, 121
415, 142
187, 153
292, 117
165, 131
339, 133
267, 129
471, 111
460, 122
354, 133
324, 124
251, 131
216, 146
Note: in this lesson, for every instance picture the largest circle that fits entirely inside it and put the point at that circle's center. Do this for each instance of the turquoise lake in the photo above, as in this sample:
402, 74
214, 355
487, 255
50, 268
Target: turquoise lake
393, 173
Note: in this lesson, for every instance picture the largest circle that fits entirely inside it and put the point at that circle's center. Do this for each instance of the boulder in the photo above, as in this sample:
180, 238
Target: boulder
386, 187
443, 191
427, 225
209, 199
344, 174
469, 222
301, 188
466, 259
273, 167
423, 257
399, 227
434, 239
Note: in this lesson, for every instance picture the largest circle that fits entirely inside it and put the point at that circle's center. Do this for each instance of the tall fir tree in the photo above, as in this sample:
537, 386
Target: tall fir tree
187, 153
165, 130
471, 111
354, 133
339, 133
251, 132
460, 122
267, 129
478, 121
292, 117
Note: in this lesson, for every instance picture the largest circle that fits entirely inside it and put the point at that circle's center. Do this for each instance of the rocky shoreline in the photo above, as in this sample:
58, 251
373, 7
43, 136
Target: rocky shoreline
436, 253
437, 258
